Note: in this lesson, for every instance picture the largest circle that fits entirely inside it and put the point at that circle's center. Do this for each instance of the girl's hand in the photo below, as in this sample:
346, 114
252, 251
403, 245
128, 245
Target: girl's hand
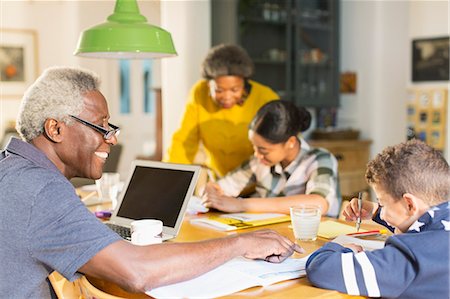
213, 197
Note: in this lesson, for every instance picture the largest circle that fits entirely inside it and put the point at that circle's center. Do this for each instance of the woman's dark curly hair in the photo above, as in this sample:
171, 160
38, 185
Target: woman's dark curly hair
227, 60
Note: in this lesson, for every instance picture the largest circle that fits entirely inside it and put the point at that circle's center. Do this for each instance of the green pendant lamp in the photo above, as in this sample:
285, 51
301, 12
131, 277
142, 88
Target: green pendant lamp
125, 35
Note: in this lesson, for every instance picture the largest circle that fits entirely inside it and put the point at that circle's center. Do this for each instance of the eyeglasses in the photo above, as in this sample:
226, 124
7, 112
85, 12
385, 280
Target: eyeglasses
107, 134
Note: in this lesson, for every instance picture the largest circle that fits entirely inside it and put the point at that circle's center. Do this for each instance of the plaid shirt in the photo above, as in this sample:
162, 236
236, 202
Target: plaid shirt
313, 171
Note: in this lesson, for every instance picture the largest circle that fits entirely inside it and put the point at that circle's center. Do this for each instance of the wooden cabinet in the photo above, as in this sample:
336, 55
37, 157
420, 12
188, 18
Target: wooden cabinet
294, 45
352, 156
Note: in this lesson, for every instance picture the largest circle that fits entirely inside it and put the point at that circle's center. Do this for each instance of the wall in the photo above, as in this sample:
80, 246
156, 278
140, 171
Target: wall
58, 25
189, 23
374, 40
431, 19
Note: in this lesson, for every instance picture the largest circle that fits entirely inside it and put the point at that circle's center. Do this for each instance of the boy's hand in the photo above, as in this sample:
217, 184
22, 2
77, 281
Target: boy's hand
351, 212
354, 247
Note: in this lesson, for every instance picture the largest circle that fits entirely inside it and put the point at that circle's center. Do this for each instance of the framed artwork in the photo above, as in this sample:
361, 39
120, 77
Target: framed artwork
348, 82
427, 116
18, 61
431, 59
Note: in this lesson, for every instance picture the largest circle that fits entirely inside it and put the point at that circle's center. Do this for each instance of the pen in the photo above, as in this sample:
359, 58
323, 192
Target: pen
211, 177
103, 214
358, 220
368, 233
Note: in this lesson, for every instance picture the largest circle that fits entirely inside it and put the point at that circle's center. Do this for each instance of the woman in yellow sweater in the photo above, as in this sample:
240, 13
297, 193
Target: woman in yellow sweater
219, 110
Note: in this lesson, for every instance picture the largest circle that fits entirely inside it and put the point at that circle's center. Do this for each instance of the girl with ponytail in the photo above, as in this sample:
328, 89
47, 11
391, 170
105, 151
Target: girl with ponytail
284, 170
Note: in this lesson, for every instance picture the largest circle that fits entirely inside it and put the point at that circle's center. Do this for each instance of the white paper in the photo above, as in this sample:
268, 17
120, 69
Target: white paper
195, 206
368, 245
252, 216
233, 276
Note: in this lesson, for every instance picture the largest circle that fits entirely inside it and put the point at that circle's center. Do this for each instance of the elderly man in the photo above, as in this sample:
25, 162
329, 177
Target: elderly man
63, 122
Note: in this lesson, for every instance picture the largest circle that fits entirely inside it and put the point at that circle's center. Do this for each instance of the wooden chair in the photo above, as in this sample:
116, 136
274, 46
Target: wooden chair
93, 288
63, 288
88, 288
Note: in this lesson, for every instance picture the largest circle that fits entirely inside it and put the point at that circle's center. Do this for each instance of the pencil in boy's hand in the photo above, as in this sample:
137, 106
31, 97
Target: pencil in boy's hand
369, 233
358, 220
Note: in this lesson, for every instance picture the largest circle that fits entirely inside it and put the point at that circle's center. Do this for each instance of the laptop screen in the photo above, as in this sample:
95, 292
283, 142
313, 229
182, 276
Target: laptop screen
155, 193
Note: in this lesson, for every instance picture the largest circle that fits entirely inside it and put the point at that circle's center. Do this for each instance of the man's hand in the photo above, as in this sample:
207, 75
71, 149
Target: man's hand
213, 197
351, 212
268, 245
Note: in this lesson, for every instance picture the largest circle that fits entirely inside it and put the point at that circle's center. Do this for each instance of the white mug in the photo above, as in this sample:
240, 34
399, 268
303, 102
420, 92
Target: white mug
146, 231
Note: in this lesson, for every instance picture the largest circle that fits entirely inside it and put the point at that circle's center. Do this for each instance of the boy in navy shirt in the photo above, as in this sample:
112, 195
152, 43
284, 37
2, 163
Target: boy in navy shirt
412, 184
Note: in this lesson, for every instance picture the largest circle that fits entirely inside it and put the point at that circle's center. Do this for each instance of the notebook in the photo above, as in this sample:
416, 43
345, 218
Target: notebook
235, 221
331, 229
155, 190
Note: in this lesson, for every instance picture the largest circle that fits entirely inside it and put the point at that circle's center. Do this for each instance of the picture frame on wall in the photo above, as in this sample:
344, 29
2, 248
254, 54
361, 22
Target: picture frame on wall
430, 59
18, 61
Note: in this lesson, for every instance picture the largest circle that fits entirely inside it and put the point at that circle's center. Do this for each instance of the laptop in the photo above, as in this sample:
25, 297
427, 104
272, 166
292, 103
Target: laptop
155, 190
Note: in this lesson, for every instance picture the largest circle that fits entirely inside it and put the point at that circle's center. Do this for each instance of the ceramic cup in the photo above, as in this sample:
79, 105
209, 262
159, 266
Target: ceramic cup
146, 231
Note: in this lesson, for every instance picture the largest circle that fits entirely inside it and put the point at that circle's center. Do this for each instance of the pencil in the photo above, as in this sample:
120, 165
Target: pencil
368, 233
210, 175
358, 221
89, 196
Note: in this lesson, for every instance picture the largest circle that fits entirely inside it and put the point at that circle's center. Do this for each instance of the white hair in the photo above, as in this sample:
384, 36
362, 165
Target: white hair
56, 94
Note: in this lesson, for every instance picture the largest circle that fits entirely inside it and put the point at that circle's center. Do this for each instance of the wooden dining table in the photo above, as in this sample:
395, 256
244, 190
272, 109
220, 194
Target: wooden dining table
296, 288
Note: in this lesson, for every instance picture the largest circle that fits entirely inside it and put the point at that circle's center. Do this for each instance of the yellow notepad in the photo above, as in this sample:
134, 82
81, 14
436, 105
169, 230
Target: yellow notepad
331, 229
237, 221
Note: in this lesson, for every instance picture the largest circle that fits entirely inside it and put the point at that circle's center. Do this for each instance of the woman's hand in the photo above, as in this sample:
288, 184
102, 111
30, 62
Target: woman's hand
213, 197
351, 211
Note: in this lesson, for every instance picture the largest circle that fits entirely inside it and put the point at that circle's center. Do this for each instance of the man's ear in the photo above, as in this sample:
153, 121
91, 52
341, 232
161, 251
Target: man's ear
53, 130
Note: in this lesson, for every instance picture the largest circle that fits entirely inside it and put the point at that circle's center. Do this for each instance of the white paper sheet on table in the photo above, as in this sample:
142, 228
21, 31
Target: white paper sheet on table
368, 245
233, 276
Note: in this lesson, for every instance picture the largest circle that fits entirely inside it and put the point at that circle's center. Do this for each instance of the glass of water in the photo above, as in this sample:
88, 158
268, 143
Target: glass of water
305, 221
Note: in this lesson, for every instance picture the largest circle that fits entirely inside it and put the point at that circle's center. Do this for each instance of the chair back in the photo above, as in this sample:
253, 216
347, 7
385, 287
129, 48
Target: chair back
63, 288
94, 288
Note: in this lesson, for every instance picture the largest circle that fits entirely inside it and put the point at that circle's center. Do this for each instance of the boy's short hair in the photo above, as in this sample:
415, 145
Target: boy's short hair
411, 167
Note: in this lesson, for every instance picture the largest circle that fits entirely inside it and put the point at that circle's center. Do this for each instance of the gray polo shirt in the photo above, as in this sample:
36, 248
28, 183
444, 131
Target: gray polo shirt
44, 225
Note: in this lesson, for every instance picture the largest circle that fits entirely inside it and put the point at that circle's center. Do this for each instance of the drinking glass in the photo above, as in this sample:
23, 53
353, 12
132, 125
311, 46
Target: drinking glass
305, 221
108, 187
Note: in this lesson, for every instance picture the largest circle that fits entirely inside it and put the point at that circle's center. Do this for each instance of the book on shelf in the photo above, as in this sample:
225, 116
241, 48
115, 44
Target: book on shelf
235, 221
234, 276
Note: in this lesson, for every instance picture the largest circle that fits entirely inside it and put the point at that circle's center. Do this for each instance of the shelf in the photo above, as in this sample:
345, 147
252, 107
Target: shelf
315, 65
314, 26
302, 24
258, 20
267, 61
293, 43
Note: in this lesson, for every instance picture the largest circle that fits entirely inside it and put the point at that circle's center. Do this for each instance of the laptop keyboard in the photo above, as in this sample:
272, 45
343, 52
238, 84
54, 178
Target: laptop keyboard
122, 231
